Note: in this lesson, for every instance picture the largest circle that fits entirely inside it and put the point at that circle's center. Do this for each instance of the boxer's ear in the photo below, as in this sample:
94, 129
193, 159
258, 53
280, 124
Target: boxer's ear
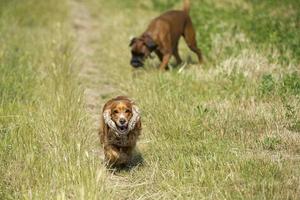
132, 41
150, 43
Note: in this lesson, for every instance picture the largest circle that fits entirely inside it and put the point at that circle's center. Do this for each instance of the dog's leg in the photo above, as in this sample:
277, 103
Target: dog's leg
166, 58
190, 38
166, 49
112, 154
159, 55
176, 55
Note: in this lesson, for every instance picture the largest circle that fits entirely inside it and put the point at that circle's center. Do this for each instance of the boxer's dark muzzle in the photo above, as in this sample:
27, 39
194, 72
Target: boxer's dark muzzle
137, 61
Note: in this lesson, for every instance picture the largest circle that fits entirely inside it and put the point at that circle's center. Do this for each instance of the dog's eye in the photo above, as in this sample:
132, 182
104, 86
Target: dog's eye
127, 111
116, 112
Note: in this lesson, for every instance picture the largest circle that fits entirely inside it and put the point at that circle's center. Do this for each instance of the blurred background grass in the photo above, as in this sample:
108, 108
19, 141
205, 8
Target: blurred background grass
226, 130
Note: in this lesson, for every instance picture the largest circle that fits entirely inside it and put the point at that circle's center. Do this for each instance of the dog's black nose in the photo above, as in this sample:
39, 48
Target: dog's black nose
122, 121
136, 64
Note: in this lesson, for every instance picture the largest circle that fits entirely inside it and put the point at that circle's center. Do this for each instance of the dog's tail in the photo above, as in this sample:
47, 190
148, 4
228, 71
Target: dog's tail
186, 6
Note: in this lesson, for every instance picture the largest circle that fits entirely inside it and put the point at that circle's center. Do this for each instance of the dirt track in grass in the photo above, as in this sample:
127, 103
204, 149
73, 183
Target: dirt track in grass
91, 76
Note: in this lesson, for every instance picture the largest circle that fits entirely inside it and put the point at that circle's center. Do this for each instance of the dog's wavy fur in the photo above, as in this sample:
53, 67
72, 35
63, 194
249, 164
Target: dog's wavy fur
118, 149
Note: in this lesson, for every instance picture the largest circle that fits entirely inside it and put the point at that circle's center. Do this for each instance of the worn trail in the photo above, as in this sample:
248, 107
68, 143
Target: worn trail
91, 76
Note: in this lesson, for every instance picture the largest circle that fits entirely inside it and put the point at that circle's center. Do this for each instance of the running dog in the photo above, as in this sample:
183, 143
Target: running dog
121, 127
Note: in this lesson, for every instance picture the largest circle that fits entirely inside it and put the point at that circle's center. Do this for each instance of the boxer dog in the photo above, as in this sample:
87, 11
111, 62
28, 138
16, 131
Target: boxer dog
162, 37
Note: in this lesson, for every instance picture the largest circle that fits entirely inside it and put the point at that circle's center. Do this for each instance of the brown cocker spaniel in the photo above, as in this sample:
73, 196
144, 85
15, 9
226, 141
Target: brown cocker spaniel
120, 129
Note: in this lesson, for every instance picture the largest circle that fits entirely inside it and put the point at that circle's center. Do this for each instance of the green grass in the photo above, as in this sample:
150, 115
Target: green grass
229, 129
44, 136
265, 23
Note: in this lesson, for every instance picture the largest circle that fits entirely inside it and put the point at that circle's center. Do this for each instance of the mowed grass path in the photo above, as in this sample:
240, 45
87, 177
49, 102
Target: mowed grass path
225, 130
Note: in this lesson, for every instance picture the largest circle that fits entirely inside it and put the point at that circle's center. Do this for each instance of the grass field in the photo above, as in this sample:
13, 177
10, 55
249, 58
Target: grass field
228, 129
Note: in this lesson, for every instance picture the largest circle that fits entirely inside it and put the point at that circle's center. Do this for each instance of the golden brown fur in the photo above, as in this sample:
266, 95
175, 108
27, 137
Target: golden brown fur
118, 148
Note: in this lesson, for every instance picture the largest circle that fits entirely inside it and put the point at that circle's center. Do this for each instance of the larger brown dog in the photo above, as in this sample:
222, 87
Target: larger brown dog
162, 36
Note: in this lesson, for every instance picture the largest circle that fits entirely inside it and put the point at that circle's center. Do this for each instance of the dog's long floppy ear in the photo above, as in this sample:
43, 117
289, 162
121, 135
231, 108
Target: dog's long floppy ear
132, 41
108, 121
136, 116
150, 42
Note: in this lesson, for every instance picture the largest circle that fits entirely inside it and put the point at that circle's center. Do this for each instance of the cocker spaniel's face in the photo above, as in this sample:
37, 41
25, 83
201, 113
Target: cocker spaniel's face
121, 113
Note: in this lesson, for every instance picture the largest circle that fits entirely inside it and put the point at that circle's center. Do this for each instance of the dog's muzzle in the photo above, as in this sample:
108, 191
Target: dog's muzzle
136, 62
